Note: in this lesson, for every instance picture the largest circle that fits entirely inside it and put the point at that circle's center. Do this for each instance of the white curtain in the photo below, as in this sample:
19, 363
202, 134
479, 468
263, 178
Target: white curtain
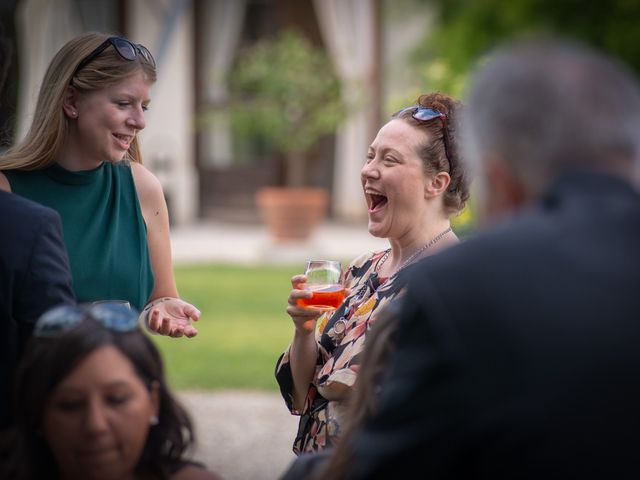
348, 29
224, 20
43, 27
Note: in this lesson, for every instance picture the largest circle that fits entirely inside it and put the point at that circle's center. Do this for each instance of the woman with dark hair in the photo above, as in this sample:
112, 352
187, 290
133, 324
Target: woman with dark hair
91, 401
413, 181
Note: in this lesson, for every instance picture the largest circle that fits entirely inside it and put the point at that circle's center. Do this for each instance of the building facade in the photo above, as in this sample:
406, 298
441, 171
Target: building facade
207, 170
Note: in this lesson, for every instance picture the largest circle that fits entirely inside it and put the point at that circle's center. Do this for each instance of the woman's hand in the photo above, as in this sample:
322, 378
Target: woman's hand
304, 318
172, 317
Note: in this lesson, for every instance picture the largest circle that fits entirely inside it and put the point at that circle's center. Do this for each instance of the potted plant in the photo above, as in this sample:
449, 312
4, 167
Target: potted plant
283, 90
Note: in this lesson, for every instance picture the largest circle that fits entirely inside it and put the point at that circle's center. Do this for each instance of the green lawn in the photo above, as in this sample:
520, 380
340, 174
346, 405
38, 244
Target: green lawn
242, 330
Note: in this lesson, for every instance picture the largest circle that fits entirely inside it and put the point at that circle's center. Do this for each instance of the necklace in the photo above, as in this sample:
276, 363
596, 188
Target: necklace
415, 254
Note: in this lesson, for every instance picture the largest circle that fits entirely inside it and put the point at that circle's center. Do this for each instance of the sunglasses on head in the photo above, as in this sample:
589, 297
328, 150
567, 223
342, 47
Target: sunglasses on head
115, 316
424, 114
126, 49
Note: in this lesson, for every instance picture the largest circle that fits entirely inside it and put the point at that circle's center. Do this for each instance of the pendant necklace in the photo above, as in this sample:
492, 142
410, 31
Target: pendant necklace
338, 329
414, 255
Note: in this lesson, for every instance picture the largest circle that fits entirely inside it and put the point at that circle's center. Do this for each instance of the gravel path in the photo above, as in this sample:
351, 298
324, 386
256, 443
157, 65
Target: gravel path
242, 435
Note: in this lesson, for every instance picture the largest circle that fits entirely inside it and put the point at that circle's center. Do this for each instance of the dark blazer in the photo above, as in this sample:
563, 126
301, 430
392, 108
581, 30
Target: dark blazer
518, 351
34, 276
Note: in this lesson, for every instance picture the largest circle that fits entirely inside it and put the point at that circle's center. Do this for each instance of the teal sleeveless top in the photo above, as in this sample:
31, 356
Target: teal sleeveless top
104, 230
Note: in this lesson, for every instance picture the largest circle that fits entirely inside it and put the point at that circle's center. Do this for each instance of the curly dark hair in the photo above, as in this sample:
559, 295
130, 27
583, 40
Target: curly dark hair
434, 152
46, 362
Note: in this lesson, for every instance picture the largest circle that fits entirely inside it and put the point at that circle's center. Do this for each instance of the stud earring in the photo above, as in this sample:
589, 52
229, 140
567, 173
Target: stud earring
74, 114
153, 420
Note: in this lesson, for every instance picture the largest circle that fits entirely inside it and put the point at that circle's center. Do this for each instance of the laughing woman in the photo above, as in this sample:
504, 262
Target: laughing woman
413, 181
81, 157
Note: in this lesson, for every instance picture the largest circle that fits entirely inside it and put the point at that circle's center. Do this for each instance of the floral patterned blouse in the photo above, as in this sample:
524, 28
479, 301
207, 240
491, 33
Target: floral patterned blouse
340, 336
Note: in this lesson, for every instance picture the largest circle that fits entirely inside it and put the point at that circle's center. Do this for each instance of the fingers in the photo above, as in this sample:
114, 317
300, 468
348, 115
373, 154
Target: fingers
303, 313
192, 312
177, 332
165, 325
172, 327
296, 295
298, 280
190, 331
183, 330
304, 318
155, 323
158, 323
295, 309
173, 318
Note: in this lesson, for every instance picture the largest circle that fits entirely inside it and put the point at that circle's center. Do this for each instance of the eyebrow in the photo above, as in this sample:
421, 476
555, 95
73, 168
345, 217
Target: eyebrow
114, 383
386, 150
126, 93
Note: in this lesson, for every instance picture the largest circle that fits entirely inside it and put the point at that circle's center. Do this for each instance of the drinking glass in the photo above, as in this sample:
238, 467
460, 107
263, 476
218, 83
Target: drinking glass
324, 279
113, 302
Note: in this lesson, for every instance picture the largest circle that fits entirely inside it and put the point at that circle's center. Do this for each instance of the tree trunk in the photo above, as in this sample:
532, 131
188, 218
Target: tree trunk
296, 169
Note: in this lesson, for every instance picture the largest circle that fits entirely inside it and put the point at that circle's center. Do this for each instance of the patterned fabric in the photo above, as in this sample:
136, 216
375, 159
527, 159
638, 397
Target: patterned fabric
340, 336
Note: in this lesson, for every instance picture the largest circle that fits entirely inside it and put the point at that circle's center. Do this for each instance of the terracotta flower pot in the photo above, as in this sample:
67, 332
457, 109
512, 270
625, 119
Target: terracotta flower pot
292, 214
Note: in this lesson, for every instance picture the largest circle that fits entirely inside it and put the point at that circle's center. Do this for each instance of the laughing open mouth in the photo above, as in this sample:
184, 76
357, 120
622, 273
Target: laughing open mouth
376, 201
123, 138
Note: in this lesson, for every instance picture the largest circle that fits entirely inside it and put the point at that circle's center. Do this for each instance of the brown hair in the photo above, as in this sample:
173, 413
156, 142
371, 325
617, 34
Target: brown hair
24, 452
49, 129
434, 152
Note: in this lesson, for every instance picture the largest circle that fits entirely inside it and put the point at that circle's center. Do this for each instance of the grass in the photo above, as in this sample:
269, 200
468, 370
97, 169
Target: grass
242, 331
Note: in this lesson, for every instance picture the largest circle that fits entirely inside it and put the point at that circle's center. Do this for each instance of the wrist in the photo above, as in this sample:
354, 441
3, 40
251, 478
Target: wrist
305, 330
144, 314
155, 302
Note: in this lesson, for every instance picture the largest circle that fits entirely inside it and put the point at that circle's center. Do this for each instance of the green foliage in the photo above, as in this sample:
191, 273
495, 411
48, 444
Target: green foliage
284, 90
242, 331
468, 29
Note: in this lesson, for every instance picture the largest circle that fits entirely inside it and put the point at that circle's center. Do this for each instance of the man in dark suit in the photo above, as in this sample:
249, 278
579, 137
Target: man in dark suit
34, 276
34, 270
517, 353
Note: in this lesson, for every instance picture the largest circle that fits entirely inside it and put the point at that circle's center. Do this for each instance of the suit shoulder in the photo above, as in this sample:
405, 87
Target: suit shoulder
17, 208
499, 247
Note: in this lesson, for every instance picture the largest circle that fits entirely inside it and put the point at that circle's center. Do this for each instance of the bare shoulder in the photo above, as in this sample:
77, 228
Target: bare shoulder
4, 183
193, 472
147, 184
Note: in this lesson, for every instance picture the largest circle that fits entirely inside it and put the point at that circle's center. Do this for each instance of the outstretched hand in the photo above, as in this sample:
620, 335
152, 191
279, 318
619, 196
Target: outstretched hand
173, 317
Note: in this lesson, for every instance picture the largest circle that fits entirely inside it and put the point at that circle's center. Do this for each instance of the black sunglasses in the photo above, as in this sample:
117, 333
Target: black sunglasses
424, 114
126, 49
115, 316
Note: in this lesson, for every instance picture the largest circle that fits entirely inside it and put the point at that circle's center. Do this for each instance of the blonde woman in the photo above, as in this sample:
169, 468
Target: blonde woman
81, 157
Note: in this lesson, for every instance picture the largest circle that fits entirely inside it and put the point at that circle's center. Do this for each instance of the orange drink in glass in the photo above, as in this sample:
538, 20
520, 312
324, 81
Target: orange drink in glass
324, 280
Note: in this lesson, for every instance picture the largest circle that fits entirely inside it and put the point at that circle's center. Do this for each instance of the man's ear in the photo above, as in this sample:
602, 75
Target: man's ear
505, 192
437, 185
69, 102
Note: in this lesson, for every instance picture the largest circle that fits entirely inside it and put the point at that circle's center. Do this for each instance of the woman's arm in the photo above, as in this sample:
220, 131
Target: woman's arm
303, 355
303, 352
166, 313
4, 183
156, 216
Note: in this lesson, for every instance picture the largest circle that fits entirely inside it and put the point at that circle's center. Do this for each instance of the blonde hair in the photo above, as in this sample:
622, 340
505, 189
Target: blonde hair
48, 132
